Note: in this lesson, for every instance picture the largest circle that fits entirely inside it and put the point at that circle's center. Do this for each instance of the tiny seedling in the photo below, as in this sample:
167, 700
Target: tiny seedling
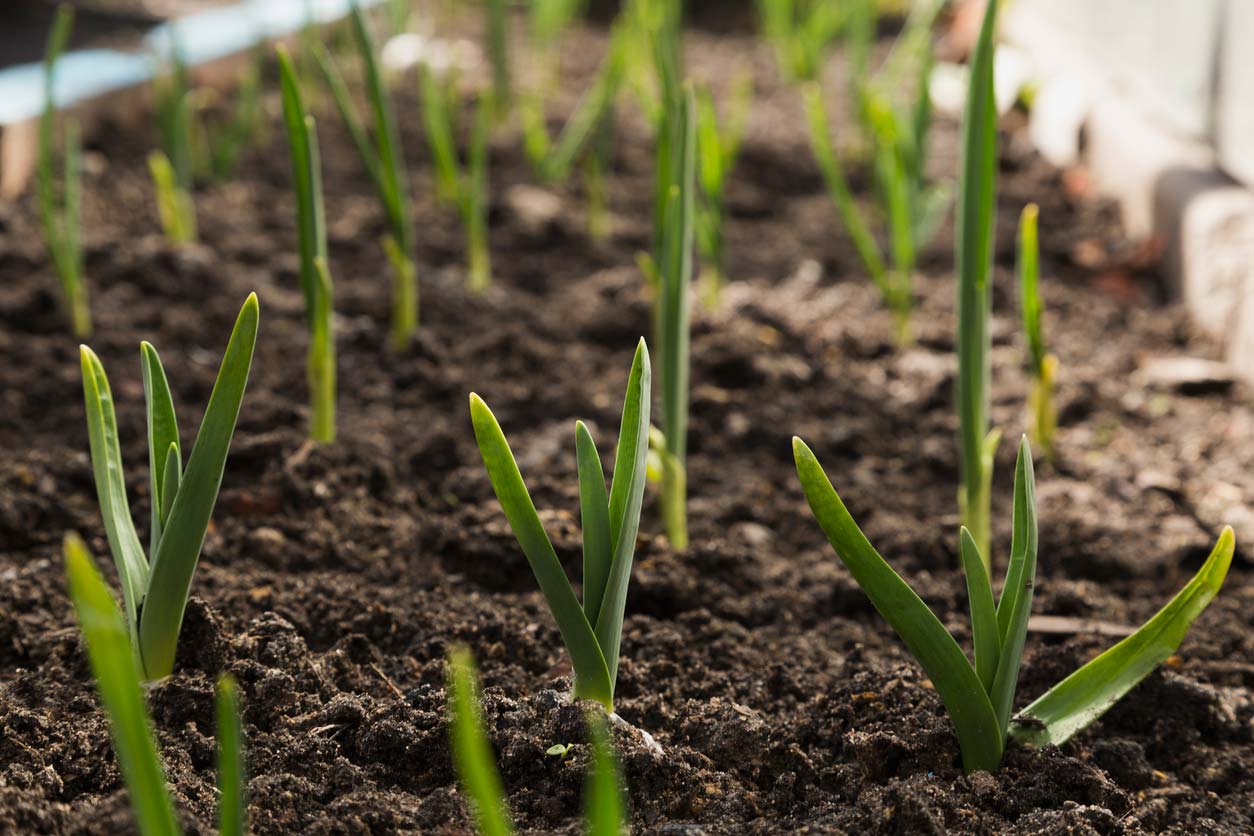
979, 697
1042, 418
592, 630
604, 812
801, 31
62, 218
315, 277
385, 166
155, 591
173, 164
464, 186
118, 675
977, 209
718, 146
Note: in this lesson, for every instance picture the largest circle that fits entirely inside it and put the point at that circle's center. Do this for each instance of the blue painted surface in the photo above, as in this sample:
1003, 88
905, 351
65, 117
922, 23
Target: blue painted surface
203, 37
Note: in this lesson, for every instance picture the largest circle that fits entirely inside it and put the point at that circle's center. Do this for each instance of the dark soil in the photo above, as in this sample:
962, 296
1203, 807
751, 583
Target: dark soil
336, 578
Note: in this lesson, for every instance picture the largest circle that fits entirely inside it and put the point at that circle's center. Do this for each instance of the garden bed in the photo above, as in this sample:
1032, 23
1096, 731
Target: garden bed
336, 578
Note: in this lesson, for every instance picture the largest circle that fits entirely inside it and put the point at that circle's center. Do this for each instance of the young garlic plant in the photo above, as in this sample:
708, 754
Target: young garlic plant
979, 697
315, 276
61, 217
172, 166
977, 208
1044, 365
385, 165
464, 186
476, 771
910, 208
155, 590
672, 284
219, 145
117, 673
592, 630
801, 31
551, 161
718, 146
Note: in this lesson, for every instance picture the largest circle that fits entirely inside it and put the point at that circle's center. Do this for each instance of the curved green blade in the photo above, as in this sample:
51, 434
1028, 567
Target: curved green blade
1019, 587
114, 667
1085, 695
603, 793
592, 678
931, 644
594, 510
232, 805
174, 562
984, 634
163, 436
472, 753
628, 486
106, 461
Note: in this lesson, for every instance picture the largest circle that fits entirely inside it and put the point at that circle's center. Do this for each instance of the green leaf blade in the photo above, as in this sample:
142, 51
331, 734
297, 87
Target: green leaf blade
628, 488
595, 519
592, 679
974, 253
106, 460
232, 804
175, 560
1084, 696
929, 642
603, 793
472, 753
117, 676
163, 435
984, 634
1020, 588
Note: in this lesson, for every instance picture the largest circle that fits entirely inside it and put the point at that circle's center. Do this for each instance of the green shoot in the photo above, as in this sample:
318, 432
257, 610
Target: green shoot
175, 208
62, 220
474, 202
603, 791
172, 166
549, 18
479, 779
472, 753
498, 50
155, 592
221, 146
386, 168
591, 630
718, 145
979, 697
113, 665
595, 166
233, 806
464, 186
909, 208
117, 675
439, 101
974, 254
1085, 695
677, 143
315, 277
1042, 418
801, 31
553, 162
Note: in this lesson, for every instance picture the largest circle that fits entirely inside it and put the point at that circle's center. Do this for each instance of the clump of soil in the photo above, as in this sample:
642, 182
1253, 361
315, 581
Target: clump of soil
336, 578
